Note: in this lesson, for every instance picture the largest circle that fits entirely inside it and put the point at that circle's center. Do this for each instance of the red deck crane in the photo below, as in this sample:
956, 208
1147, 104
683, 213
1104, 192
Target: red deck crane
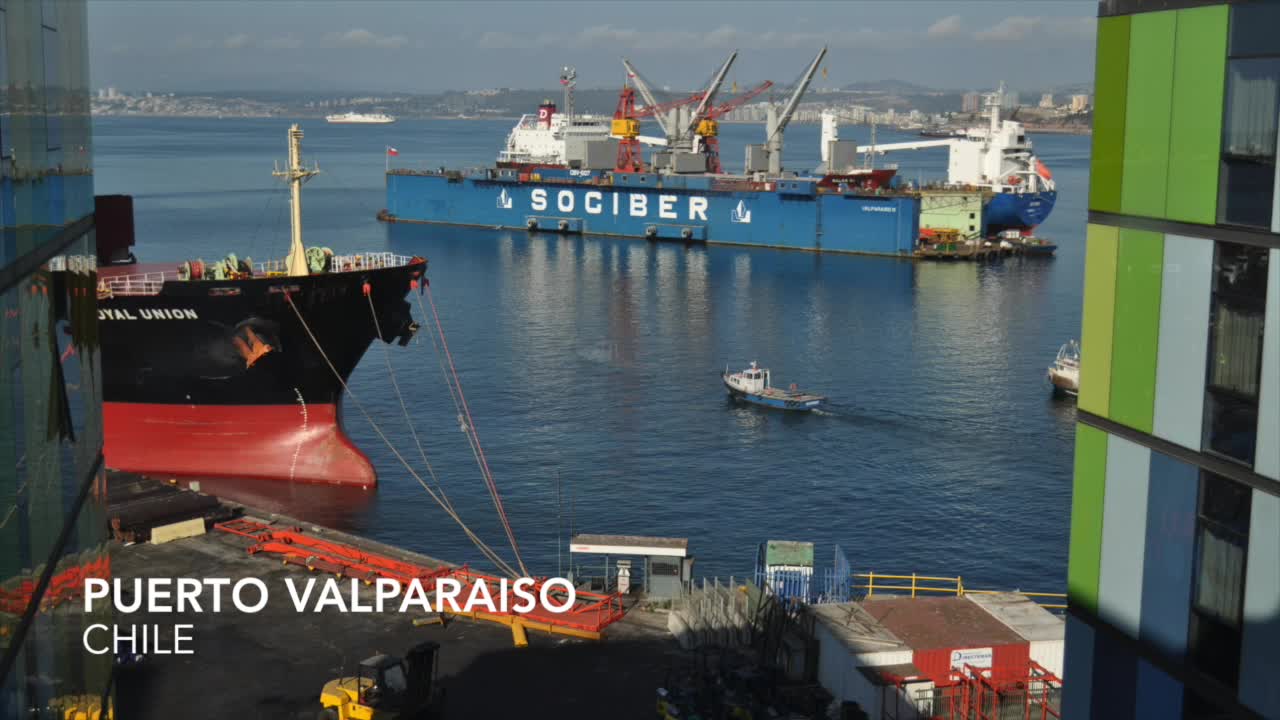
708, 128
655, 110
626, 126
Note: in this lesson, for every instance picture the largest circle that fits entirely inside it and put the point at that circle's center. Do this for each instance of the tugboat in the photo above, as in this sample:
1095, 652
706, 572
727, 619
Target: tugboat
753, 386
233, 369
1064, 373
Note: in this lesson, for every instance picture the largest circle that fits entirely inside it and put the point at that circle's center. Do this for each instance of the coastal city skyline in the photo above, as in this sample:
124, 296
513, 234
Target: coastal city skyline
891, 104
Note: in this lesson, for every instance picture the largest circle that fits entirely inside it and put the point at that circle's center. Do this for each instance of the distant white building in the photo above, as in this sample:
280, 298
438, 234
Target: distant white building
1079, 103
1046, 101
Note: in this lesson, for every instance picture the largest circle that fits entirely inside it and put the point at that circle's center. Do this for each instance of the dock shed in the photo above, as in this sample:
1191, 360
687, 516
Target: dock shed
906, 657
667, 564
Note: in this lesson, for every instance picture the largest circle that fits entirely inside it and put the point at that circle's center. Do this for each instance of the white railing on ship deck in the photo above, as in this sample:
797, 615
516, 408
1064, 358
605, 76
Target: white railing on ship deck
143, 284
343, 263
150, 283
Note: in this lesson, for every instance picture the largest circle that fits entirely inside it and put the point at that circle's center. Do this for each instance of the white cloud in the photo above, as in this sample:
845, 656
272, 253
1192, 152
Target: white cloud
283, 42
492, 40
237, 41
724, 37
1081, 28
1018, 27
191, 42
949, 26
360, 37
354, 38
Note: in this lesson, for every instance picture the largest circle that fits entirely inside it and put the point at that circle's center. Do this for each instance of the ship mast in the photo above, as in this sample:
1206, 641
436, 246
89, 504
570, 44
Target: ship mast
568, 78
994, 102
296, 174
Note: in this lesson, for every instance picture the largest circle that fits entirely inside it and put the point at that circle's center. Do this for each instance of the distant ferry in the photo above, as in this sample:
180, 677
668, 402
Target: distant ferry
353, 118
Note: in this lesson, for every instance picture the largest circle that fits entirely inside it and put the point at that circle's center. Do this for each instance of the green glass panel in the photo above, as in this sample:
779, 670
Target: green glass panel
1084, 564
1146, 129
1110, 87
1139, 269
1099, 319
1195, 131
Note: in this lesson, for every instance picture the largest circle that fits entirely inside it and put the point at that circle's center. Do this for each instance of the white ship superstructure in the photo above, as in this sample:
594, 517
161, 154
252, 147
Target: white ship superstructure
998, 157
545, 138
542, 139
355, 118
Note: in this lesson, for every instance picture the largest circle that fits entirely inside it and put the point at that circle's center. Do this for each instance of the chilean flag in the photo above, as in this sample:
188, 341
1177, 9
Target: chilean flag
392, 151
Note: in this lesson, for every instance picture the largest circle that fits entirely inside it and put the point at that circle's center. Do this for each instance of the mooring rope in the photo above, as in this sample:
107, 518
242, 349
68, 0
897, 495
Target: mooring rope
480, 544
386, 349
471, 430
444, 373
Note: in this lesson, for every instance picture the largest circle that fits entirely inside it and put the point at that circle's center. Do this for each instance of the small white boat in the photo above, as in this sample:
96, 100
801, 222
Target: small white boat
752, 385
1064, 373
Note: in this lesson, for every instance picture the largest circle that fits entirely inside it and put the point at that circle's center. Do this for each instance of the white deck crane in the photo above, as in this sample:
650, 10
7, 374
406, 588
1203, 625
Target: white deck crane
649, 99
708, 101
777, 124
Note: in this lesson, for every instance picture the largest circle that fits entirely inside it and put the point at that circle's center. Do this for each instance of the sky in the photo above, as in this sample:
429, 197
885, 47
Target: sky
404, 46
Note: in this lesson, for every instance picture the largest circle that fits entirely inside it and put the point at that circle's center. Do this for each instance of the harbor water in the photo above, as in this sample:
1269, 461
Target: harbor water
591, 365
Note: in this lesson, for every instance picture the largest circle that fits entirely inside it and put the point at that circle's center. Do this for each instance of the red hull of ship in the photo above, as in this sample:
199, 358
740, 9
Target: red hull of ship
864, 179
270, 442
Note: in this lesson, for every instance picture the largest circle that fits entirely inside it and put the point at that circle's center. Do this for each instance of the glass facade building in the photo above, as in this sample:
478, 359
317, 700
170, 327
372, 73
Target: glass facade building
53, 527
1174, 571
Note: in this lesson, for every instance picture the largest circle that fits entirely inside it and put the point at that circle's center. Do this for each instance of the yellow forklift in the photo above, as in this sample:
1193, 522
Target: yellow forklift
387, 688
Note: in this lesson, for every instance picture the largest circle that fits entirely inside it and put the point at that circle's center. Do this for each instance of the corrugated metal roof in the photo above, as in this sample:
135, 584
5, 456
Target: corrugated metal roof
1022, 615
856, 628
631, 541
937, 623
885, 675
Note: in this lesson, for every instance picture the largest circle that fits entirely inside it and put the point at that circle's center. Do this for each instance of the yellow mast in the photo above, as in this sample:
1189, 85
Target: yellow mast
296, 174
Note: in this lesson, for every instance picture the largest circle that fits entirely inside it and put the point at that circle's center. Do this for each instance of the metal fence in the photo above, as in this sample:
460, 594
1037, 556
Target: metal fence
916, 585
714, 613
838, 584
1037, 697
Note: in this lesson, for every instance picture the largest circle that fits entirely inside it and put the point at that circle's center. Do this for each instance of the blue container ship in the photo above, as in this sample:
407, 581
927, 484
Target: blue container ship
584, 174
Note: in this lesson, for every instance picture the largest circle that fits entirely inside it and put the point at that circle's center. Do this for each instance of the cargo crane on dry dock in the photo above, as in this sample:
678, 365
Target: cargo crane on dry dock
626, 128
626, 123
776, 124
679, 128
656, 110
687, 133
708, 129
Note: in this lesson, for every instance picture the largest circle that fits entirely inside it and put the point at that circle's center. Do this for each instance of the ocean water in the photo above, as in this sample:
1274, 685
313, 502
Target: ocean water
591, 365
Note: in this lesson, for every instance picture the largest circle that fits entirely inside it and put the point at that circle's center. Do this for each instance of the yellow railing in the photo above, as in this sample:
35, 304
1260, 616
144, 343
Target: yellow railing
931, 584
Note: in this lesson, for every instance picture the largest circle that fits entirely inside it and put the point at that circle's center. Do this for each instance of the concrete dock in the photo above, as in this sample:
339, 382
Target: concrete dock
272, 664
